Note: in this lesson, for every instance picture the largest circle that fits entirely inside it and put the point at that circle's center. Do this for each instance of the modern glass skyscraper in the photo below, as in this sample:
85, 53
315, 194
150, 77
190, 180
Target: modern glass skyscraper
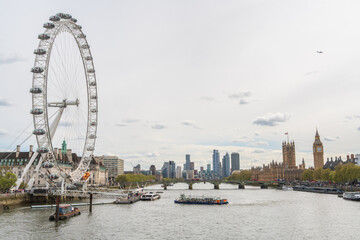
235, 161
187, 157
172, 169
216, 163
226, 165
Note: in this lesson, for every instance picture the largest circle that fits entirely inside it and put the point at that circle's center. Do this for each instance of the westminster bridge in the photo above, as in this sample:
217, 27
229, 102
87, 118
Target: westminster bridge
216, 183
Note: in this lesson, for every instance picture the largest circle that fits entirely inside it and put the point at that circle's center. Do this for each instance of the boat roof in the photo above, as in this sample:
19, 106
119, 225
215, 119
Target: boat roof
64, 205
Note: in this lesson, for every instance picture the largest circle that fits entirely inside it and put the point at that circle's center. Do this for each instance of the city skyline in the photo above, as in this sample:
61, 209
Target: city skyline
235, 79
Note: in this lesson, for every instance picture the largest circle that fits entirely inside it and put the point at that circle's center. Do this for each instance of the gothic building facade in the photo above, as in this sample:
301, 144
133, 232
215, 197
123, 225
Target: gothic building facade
286, 170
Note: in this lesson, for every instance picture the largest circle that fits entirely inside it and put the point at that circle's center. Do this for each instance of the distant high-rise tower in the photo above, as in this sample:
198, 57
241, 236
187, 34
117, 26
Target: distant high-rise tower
235, 161
216, 163
226, 165
187, 164
288, 149
318, 151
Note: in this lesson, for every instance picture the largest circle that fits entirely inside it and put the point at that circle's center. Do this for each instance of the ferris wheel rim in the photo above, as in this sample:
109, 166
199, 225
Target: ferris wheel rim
62, 22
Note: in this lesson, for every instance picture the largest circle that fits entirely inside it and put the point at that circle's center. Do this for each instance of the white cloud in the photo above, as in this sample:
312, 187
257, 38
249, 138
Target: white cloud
3, 132
259, 143
205, 98
256, 133
272, 119
243, 139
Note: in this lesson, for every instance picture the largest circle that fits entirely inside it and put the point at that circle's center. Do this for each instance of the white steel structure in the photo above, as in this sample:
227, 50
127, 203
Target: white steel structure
64, 93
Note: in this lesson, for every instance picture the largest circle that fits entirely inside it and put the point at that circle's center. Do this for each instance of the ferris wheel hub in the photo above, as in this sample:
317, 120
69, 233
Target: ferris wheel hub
64, 103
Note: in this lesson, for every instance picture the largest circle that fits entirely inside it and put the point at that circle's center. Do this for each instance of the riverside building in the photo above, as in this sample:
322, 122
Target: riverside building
286, 170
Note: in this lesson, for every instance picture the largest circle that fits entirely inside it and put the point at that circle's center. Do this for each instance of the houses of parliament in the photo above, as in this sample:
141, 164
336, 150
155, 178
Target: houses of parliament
287, 169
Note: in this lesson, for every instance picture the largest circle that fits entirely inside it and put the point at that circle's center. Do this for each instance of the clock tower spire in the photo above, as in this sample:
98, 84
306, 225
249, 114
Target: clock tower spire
318, 151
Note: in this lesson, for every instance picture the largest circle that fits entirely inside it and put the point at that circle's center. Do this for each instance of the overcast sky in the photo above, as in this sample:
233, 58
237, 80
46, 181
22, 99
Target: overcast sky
187, 77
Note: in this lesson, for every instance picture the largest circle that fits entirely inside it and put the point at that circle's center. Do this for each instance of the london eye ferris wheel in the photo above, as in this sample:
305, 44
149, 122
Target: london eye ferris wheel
64, 99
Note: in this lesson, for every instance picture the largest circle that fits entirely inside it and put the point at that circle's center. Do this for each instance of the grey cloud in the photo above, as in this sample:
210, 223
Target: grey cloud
258, 151
190, 124
331, 139
358, 128
242, 96
4, 102
158, 126
243, 101
65, 124
257, 133
126, 122
271, 119
10, 60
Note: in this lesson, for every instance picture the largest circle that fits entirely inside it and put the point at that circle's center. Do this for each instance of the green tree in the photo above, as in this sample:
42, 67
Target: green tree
325, 175
317, 174
129, 178
244, 175
7, 181
308, 175
23, 185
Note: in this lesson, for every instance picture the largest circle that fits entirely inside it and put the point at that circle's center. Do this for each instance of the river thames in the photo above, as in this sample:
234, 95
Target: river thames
252, 213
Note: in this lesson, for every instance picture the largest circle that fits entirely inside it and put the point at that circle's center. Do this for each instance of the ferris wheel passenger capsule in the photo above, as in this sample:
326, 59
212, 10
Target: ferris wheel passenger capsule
53, 176
70, 187
85, 46
35, 90
93, 97
74, 20
88, 58
67, 16
37, 70
36, 111
49, 25
43, 150
94, 110
81, 36
47, 165
77, 27
93, 124
39, 51
39, 132
44, 36
92, 83
90, 70
92, 136
90, 148
54, 18
60, 15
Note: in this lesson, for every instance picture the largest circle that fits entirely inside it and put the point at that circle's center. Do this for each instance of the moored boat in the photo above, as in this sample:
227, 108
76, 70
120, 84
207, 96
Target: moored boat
354, 196
201, 200
65, 211
151, 196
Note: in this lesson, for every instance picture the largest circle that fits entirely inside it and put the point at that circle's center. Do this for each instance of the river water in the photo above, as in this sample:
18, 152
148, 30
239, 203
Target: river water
252, 213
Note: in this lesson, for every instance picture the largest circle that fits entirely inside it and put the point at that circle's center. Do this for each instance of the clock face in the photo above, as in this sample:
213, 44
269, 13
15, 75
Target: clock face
319, 149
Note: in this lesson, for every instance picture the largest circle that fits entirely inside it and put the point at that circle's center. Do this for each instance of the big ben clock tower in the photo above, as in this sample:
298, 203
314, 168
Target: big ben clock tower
318, 151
